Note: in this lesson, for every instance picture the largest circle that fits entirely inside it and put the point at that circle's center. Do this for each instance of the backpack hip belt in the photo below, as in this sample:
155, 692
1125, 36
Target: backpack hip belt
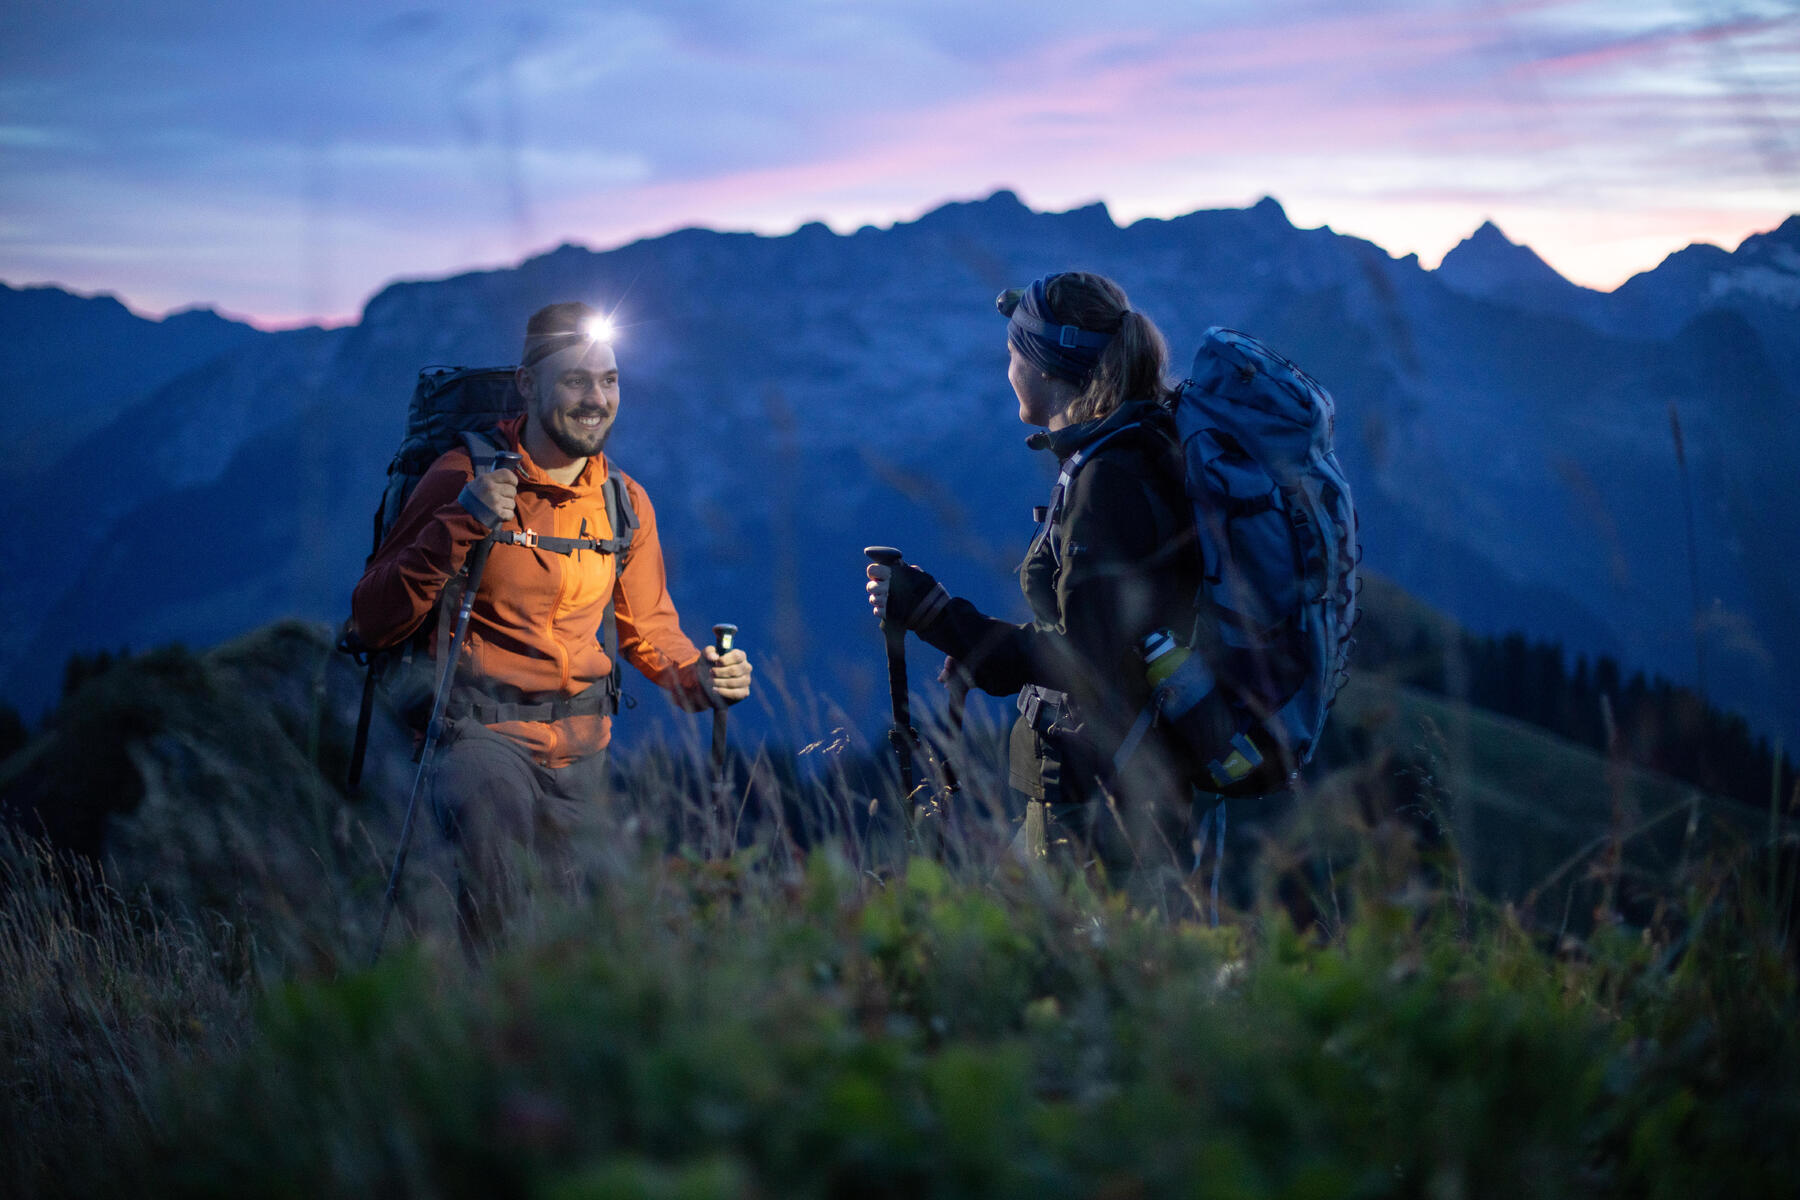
498, 708
1044, 709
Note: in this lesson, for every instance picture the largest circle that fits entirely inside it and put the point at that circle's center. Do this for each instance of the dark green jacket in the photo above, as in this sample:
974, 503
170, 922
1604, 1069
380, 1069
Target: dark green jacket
1120, 563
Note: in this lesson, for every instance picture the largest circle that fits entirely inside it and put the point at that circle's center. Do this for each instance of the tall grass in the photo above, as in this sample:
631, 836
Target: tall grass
765, 989
99, 1000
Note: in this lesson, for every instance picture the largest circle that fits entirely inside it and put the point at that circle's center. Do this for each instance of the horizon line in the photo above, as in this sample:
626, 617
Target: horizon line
785, 229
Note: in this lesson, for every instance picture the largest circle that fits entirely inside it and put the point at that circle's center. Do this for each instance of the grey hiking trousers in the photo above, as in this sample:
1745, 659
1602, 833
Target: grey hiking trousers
511, 819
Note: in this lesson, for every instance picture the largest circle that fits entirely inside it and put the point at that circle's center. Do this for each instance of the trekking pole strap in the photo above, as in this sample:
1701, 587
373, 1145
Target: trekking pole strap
360, 748
894, 637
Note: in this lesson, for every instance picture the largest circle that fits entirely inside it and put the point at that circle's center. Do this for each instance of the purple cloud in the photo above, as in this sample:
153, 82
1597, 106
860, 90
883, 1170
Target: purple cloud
286, 165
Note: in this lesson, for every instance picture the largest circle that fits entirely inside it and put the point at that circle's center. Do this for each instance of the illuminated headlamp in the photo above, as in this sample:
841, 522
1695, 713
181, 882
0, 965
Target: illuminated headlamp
596, 328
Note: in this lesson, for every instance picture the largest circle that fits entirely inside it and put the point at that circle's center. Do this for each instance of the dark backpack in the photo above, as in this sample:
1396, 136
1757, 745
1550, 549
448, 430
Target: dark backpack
454, 406
1277, 531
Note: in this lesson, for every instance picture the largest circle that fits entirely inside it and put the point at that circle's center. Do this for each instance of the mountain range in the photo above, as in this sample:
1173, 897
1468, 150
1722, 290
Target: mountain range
1510, 436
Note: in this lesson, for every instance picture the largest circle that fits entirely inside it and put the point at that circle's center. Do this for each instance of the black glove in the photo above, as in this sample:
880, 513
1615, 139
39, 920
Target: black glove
914, 598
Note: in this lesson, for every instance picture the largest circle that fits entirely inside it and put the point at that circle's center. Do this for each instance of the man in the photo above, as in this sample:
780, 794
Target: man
524, 757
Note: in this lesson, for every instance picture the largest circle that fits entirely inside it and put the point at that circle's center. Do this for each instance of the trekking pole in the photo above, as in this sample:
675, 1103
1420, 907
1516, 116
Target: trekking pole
957, 684
722, 638
901, 733
434, 728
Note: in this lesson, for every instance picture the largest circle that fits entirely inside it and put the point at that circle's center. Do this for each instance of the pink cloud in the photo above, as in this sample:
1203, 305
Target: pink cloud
1657, 44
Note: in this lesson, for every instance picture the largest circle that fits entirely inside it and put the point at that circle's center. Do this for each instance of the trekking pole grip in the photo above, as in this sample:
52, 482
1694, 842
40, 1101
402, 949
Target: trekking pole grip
886, 556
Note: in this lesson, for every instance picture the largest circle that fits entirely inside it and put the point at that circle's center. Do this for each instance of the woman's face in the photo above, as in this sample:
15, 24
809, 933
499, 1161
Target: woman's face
1039, 399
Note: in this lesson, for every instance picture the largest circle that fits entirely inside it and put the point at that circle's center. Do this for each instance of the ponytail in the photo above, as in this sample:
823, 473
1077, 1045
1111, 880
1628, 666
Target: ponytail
1134, 364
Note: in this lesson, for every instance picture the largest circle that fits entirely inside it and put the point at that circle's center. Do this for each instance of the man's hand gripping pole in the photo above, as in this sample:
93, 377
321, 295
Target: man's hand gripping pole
723, 636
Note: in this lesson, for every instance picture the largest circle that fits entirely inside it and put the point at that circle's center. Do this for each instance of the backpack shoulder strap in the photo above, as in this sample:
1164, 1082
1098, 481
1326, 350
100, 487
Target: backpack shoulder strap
1060, 494
624, 521
482, 445
619, 513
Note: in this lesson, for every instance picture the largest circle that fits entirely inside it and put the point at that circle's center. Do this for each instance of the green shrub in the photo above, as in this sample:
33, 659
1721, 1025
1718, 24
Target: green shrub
830, 1034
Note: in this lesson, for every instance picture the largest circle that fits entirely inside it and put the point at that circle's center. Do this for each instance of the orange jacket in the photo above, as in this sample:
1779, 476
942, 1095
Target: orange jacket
537, 615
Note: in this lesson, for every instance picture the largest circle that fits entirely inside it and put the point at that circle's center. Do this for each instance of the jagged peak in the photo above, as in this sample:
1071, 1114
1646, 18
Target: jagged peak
1269, 206
1487, 263
1490, 244
1003, 201
1489, 232
1696, 252
1000, 208
1785, 234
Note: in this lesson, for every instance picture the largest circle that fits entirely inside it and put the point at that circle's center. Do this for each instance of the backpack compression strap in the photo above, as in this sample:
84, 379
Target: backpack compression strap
624, 523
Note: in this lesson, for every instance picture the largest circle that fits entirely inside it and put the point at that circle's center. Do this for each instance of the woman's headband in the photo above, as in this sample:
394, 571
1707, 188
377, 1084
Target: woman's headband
1066, 352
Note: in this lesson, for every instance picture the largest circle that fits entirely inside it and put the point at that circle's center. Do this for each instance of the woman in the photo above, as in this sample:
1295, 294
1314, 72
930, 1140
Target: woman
1113, 564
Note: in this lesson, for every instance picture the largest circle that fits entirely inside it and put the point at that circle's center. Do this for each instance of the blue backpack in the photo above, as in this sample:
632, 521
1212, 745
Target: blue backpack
1245, 700
1277, 532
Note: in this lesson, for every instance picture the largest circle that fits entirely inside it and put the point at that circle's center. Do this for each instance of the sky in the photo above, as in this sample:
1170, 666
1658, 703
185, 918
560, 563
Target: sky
283, 162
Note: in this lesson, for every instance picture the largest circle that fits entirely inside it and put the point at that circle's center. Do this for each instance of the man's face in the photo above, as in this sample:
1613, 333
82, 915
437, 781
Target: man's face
577, 397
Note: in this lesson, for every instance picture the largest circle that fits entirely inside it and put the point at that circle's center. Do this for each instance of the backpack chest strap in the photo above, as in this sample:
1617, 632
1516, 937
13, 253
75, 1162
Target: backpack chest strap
533, 540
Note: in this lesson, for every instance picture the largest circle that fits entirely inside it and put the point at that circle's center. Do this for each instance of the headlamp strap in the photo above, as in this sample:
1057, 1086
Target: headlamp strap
1069, 337
552, 345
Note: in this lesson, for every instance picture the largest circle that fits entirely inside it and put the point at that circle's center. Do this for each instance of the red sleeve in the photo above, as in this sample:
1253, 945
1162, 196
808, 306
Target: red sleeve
426, 546
650, 636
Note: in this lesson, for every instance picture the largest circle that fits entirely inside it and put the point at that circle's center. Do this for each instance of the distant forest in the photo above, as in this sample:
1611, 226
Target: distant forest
1645, 720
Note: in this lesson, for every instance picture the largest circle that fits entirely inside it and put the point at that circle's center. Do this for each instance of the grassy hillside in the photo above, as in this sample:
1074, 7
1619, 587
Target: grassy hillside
743, 1029
1530, 811
817, 1013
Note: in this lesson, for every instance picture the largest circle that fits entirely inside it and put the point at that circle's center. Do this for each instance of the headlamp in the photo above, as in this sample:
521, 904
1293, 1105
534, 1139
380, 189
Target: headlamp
1008, 300
598, 329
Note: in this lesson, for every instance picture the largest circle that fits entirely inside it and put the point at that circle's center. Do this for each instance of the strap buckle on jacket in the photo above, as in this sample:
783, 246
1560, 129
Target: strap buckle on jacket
501, 704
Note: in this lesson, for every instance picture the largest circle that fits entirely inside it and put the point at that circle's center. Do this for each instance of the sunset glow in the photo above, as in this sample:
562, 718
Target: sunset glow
285, 168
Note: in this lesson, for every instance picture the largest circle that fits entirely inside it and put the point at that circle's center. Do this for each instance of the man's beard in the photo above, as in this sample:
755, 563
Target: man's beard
576, 443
